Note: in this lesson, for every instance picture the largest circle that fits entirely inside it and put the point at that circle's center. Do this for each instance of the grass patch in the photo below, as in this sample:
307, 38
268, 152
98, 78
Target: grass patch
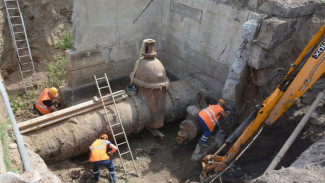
20, 101
6, 153
57, 71
57, 77
65, 42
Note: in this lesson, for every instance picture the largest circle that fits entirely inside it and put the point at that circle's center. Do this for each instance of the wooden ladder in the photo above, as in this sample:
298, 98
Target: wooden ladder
116, 129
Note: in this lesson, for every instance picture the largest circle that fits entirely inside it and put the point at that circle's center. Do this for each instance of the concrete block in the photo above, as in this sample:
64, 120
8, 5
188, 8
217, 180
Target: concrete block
294, 9
260, 58
289, 9
256, 56
266, 7
321, 9
79, 60
230, 90
249, 30
122, 52
253, 4
274, 31
113, 70
238, 69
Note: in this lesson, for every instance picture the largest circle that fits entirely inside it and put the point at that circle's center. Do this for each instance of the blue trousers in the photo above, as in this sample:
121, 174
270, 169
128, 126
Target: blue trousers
105, 163
206, 131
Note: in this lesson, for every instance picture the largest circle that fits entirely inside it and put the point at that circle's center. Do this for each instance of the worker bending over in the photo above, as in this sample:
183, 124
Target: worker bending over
46, 100
99, 157
209, 118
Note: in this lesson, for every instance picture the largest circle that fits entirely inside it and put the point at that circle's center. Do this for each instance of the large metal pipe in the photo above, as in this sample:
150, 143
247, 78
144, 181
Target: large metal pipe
73, 137
20, 142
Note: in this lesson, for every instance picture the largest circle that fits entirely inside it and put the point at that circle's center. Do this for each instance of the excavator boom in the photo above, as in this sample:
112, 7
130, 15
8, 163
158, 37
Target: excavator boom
305, 71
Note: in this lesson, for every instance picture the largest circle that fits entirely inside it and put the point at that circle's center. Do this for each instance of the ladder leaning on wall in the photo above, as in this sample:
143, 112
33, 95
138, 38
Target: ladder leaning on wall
117, 129
19, 38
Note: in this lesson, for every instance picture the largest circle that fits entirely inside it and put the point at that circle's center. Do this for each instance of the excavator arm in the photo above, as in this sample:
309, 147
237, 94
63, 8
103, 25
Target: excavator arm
304, 72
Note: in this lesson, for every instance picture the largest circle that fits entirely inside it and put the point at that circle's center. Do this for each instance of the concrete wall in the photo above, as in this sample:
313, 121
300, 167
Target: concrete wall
200, 39
194, 38
106, 38
213, 41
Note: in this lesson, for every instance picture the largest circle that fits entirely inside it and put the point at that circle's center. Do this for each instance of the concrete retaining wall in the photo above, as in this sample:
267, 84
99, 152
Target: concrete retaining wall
213, 41
200, 39
106, 38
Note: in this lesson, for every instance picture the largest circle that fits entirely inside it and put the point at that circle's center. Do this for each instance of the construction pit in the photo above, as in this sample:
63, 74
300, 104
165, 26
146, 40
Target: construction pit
208, 49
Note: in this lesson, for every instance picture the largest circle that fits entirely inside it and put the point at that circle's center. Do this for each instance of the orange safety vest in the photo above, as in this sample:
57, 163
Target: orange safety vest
98, 151
211, 115
40, 106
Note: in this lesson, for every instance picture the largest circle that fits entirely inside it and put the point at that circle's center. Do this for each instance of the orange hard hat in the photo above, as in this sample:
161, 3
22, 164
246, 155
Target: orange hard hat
103, 136
222, 101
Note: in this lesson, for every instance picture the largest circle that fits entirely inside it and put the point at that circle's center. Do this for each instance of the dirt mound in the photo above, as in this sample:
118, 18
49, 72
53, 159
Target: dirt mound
45, 22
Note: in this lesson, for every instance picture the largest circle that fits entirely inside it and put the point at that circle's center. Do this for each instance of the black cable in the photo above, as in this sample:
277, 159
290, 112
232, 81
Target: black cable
273, 74
301, 64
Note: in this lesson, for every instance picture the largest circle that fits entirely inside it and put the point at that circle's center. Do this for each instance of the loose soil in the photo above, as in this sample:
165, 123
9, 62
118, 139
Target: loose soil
158, 160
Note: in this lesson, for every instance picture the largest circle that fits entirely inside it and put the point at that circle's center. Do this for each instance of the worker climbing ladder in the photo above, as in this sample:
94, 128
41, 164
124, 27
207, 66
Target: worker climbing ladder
116, 129
19, 38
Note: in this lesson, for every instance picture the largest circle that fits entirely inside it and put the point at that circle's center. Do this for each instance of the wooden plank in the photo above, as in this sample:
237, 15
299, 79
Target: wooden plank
70, 115
63, 112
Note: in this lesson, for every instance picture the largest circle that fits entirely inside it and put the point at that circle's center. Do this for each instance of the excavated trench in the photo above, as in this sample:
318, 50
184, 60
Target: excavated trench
163, 160
68, 158
154, 154
165, 153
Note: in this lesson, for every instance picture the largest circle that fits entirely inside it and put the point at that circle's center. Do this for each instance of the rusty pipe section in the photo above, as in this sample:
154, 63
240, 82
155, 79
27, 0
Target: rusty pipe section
190, 127
73, 137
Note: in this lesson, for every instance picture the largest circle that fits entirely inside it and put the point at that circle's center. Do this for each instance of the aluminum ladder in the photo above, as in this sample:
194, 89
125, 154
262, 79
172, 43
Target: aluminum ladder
19, 38
116, 129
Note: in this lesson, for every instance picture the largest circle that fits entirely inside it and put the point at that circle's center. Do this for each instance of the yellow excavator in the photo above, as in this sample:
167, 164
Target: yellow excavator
304, 72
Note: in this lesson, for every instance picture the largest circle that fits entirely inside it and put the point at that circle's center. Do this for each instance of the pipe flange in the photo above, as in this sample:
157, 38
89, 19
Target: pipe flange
150, 85
137, 105
173, 99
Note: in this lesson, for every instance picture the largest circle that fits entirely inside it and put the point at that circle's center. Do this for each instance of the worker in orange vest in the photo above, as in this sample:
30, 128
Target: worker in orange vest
99, 157
46, 100
209, 118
